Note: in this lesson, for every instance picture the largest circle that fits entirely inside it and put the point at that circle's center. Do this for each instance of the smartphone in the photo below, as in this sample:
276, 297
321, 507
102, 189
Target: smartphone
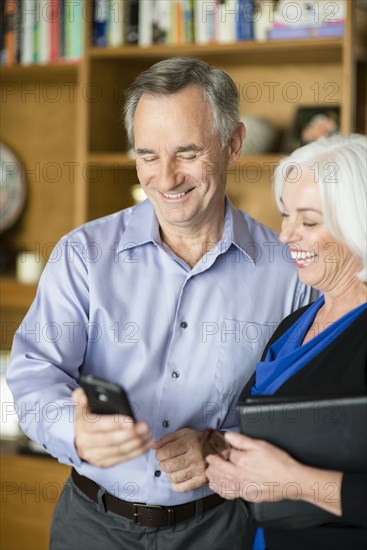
105, 397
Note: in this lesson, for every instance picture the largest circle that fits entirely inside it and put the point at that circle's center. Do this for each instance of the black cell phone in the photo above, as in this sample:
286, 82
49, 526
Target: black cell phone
105, 397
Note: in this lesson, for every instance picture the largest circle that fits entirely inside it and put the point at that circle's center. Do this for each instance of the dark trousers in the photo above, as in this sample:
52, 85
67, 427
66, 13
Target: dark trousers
80, 523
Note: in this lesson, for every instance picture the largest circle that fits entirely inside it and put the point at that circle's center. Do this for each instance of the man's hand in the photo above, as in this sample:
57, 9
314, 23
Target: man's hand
106, 440
181, 458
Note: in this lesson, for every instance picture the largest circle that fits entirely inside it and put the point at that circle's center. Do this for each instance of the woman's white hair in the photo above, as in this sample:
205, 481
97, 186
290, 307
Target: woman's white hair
339, 165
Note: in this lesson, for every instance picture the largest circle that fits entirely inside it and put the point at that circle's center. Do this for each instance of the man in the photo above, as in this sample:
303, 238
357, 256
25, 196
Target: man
174, 299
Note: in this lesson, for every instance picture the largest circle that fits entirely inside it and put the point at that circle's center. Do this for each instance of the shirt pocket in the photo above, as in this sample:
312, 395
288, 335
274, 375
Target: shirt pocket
241, 345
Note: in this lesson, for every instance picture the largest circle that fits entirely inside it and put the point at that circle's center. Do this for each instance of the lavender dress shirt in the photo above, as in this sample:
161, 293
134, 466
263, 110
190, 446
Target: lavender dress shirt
115, 301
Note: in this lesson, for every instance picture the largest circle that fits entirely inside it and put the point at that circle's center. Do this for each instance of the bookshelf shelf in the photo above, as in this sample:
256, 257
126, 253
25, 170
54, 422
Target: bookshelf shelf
282, 51
48, 70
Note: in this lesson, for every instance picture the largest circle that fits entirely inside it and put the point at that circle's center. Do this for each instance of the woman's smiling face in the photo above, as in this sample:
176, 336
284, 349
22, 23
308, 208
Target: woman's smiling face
322, 261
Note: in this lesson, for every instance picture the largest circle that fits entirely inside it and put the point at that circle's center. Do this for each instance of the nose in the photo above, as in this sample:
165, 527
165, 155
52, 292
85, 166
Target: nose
169, 176
289, 231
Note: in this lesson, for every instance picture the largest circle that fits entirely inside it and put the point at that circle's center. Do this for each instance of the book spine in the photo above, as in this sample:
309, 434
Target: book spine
245, 20
36, 33
177, 23
2, 33
189, 8
289, 33
55, 29
225, 21
132, 22
18, 19
27, 22
44, 31
263, 17
115, 34
62, 29
77, 31
10, 36
100, 22
145, 23
163, 21
204, 21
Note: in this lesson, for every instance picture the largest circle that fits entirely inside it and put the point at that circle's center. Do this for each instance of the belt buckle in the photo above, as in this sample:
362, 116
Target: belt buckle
137, 505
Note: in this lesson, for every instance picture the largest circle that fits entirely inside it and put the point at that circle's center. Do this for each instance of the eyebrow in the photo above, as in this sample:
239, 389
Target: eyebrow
191, 147
307, 209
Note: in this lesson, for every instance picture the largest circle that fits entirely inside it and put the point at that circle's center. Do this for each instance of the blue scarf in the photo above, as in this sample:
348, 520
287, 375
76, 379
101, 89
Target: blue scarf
287, 356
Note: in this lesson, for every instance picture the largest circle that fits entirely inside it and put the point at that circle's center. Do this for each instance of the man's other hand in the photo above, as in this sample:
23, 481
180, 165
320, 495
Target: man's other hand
181, 458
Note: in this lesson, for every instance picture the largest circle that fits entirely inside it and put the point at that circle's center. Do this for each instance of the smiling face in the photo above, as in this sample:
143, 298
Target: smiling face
180, 164
322, 261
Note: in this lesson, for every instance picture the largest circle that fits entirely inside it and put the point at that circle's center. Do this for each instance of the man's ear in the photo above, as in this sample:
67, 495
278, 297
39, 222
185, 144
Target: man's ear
235, 144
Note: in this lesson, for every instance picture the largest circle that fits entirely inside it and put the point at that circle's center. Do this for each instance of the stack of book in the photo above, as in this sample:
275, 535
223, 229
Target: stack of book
285, 20
147, 22
41, 31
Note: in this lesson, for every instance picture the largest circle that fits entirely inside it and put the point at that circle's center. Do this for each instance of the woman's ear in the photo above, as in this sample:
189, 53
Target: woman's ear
236, 141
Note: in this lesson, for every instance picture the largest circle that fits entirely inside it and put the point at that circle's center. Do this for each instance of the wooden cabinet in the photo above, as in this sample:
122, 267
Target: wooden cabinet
64, 121
30, 488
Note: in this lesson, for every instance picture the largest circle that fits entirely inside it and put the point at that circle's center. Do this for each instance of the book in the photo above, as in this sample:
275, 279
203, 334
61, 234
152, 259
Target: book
145, 23
10, 43
55, 29
45, 11
116, 23
132, 22
162, 22
27, 22
100, 19
245, 20
296, 33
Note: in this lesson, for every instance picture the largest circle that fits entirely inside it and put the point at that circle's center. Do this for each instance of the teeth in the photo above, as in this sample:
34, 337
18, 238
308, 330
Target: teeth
175, 196
302, 256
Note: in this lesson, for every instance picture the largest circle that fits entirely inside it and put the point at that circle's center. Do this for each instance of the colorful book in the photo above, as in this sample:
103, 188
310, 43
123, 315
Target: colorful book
245, 20
10, 32
226, 21
44, 31
100, 22
162, 22
189, 6
55, 29
27, 24
116, 23
297, 33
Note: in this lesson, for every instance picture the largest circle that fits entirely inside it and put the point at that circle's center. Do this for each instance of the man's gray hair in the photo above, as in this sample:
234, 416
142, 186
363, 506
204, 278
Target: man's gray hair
176, 73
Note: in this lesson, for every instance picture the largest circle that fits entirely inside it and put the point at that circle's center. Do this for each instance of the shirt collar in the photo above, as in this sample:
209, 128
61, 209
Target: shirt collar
143, 228
236, 232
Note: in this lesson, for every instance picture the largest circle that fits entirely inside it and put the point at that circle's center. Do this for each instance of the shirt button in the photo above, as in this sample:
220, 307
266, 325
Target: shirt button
184, 324
166, 423
157, 473
175, 374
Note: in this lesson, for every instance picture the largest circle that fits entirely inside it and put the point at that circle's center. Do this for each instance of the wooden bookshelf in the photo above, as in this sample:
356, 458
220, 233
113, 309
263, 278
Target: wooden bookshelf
82, 135
31, 487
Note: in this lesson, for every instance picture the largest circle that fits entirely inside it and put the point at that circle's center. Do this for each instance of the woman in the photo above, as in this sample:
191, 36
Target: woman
321, 192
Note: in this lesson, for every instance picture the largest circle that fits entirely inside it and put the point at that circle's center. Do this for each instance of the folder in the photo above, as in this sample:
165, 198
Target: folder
327, 432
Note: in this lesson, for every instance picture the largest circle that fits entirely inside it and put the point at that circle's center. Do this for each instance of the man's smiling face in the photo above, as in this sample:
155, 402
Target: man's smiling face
180, 163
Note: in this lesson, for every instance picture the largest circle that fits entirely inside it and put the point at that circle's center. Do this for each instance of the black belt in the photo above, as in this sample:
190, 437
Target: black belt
143, 514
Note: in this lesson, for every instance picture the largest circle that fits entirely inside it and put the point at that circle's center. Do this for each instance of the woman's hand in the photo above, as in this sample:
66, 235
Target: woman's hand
260, 472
